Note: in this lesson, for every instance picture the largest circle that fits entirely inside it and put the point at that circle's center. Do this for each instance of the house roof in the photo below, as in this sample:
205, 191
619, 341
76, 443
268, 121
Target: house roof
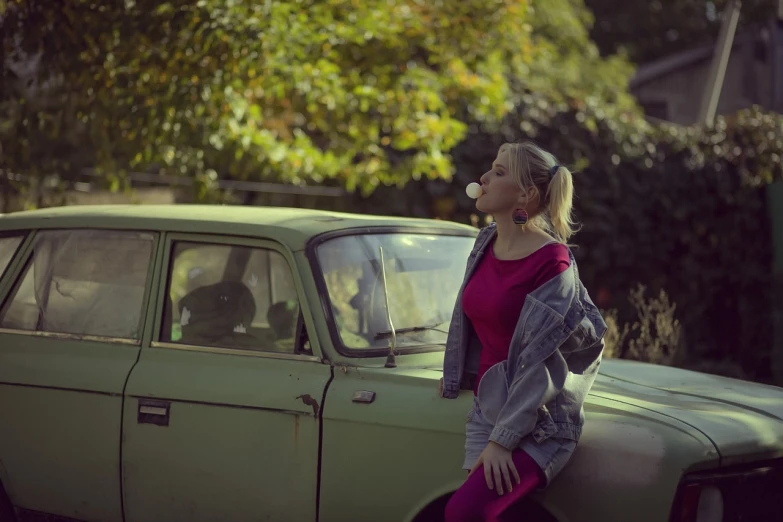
678, 61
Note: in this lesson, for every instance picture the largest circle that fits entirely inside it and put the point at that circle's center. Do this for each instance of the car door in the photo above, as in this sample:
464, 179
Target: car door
70, 329
222, 412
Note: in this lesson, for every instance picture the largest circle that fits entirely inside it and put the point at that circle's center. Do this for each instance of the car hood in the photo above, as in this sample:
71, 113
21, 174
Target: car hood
743, 419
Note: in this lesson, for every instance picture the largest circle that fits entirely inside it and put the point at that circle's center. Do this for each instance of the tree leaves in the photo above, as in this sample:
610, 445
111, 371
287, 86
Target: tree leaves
357, 94
362, 93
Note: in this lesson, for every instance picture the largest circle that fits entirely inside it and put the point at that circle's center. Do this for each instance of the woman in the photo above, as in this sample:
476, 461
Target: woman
524, 336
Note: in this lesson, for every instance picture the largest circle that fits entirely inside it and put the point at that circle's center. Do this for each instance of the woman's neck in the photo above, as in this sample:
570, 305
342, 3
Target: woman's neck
514, 241
510, 236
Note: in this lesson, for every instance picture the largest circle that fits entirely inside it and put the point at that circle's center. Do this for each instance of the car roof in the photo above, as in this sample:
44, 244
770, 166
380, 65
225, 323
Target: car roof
290, 226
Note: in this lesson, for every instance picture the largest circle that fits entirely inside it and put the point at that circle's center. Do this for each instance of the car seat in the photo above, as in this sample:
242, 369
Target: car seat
218, 315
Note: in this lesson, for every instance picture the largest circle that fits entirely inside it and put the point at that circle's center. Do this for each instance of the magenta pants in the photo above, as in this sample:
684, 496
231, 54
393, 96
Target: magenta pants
475, 502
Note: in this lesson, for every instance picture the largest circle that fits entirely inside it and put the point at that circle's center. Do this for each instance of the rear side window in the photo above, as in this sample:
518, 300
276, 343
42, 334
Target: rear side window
8, 246
83, 282
231, 297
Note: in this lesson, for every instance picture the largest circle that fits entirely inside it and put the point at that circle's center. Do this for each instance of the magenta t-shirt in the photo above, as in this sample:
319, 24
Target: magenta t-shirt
496, 292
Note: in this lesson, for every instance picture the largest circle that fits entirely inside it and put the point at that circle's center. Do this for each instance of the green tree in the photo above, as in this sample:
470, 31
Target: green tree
362, 93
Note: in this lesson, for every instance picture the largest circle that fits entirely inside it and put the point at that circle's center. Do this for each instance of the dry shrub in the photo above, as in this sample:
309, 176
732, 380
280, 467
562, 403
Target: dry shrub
655, 336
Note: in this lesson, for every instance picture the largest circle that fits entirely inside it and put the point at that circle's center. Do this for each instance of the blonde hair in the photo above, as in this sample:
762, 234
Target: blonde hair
530, 165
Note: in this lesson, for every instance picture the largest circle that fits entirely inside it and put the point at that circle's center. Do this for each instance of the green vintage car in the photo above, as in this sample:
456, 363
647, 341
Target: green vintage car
211, 363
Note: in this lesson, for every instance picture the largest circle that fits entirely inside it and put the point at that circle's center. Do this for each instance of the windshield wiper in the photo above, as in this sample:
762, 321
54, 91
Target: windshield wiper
388, 333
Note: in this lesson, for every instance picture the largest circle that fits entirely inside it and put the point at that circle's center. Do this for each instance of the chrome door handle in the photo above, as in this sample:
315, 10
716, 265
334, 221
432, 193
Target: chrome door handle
153, 412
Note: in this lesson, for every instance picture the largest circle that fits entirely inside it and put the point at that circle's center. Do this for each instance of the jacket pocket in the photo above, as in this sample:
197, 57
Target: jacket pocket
545, 427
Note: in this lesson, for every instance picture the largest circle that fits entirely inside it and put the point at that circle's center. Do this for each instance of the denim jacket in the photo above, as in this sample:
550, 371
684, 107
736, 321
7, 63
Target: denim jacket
552, 361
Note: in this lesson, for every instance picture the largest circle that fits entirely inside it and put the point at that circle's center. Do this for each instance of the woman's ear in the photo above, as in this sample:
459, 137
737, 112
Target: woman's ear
529, 200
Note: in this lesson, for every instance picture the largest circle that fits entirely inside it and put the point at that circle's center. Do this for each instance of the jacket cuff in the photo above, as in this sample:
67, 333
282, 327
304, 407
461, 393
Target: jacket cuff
450, 391
505, 437
450, 394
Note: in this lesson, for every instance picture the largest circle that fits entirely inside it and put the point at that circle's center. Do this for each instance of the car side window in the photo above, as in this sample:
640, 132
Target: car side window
83, 282
8, 246
231, 296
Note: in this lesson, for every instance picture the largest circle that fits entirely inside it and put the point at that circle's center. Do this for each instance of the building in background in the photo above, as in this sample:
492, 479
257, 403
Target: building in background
672, 88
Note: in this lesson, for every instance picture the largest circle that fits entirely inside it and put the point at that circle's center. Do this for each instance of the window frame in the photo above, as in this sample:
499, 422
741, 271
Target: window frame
11, 272
304, 321
17, 271
17, 253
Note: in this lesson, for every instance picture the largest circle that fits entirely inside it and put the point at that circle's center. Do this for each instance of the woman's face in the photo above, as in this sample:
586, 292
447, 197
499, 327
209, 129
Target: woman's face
501, 193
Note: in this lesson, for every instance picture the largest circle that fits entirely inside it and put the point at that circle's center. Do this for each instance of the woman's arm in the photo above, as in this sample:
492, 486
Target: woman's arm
532, 388
538, 381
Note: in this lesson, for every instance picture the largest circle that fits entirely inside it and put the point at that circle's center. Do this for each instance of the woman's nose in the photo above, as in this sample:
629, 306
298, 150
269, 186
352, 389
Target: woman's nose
484, 178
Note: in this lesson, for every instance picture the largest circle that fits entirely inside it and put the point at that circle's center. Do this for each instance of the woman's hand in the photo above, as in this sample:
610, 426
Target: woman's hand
498, 467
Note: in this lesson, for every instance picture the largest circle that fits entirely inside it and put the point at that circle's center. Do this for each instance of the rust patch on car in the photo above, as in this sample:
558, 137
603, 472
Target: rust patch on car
309, 401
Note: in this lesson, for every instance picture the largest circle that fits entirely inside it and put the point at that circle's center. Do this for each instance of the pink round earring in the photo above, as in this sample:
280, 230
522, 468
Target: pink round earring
519, 216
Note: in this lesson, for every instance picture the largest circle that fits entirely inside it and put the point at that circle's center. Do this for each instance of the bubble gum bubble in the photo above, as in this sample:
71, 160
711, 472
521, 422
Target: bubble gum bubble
474, 190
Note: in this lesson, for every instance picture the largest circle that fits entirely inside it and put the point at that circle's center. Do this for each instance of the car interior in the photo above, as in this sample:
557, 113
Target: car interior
226, 313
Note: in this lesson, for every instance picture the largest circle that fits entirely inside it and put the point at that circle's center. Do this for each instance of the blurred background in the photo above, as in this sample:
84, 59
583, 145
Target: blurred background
669, 111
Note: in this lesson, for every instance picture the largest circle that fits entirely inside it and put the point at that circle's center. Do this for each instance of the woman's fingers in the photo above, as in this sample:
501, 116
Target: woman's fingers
505, 468
501, 476
500, 473
514, 472
488, 475
496, 467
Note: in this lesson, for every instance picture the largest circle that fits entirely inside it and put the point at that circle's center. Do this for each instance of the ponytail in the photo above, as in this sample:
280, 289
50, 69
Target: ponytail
560, 195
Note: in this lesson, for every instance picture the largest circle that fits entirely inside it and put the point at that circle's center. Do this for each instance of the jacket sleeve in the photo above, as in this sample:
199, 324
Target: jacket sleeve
532, 388
537, 382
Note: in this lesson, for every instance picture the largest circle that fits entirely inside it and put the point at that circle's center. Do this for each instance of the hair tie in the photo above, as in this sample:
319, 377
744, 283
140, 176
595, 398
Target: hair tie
553, 171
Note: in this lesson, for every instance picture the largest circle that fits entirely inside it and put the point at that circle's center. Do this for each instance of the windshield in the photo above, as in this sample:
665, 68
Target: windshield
423, 275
